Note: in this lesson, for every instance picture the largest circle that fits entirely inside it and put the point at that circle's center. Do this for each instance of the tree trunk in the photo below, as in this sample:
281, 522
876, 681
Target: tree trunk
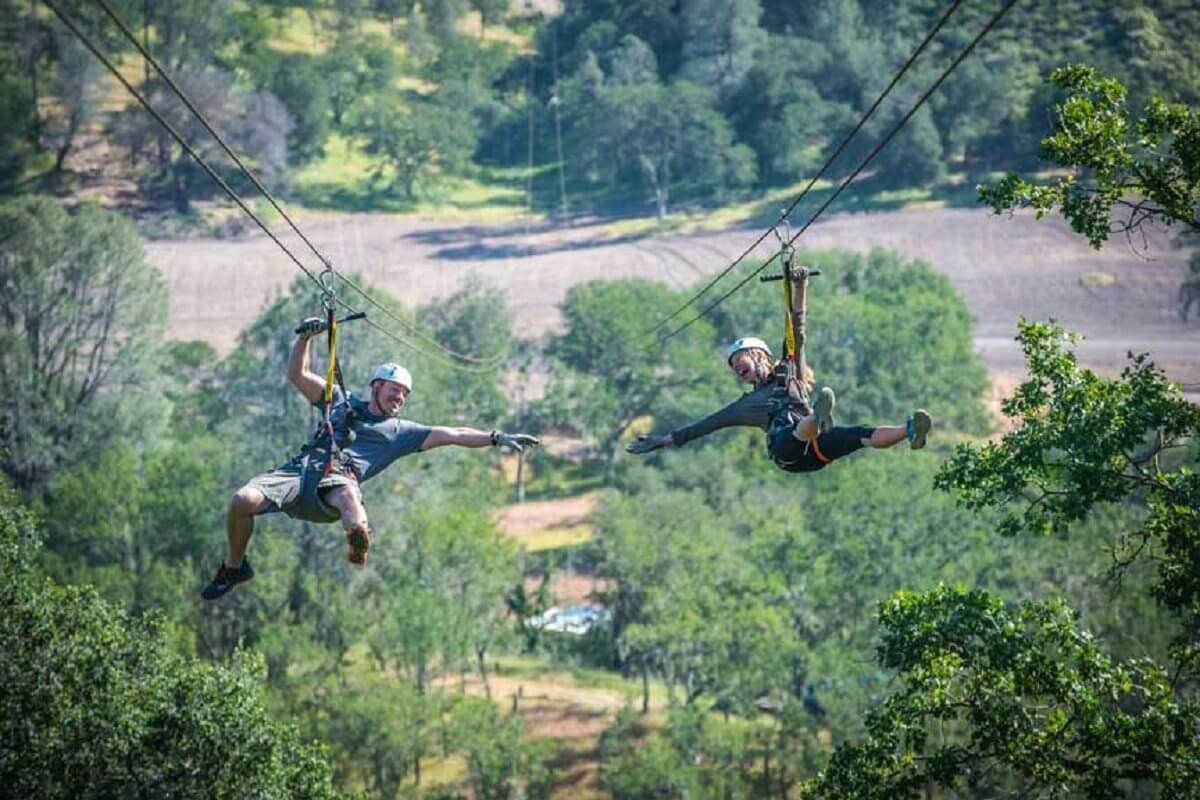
60, 155
179, 196
645, 690
521, 477
481, 656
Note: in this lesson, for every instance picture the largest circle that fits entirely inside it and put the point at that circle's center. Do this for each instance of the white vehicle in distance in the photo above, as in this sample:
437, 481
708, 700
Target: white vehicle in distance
573, 620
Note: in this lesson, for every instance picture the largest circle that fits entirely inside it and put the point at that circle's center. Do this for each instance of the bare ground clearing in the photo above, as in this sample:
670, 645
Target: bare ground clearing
1005, 268
554, 707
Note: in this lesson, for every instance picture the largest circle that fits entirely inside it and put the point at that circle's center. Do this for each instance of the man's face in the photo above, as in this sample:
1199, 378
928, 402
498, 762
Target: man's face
390, 397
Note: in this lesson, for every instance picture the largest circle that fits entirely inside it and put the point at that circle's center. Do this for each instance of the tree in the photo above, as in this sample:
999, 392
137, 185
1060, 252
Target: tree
81, 320
77, 88
721, 41
998, 699
415, 139
671, 136
117, 712
610, 378
255, 125
299, 82
501, 763
1148, 168
1023, 695
1083, 441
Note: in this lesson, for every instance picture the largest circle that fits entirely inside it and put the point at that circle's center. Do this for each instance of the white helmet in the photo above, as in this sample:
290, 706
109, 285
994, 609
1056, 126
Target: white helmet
394, 373
745, 343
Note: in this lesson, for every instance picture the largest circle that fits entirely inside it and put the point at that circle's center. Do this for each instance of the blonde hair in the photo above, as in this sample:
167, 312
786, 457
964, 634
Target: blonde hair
761, 356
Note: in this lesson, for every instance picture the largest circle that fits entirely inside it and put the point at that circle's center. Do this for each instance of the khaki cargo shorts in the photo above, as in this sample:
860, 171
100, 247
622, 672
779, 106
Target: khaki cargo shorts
283, 487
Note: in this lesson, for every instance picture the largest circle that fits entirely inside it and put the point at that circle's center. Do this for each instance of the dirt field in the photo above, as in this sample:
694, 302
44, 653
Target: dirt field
1004, 267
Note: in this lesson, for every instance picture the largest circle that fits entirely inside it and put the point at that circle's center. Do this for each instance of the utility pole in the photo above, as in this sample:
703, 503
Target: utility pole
555, 103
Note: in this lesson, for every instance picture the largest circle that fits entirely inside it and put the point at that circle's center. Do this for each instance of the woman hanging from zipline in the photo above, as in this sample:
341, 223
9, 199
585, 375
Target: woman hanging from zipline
801, 436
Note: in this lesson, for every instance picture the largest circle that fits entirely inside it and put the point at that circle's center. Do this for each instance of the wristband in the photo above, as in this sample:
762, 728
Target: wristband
494, 436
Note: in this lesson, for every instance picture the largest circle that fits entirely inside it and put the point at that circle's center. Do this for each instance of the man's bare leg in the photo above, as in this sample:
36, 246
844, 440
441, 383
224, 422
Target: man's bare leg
347, 499
239, 522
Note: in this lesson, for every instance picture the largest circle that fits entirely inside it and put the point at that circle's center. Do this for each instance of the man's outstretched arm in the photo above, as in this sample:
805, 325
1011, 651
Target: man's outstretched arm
473, 437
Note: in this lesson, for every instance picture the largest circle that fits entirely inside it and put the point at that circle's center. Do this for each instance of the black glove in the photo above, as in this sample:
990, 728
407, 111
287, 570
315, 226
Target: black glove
517, 441
647, 444
311, 327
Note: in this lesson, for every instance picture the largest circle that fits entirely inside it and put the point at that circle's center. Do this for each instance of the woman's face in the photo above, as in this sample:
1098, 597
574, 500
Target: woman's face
748, 368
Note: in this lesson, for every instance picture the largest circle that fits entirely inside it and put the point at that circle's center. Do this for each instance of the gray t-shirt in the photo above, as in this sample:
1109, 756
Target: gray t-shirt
378, 441
751, 410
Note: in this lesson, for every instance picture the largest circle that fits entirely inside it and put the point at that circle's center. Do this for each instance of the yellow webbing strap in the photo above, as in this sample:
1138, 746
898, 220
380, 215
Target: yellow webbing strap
789, 330
330, 369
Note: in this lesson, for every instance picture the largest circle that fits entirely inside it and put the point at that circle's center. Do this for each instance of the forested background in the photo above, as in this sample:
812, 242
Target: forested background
632, 105
1010, 612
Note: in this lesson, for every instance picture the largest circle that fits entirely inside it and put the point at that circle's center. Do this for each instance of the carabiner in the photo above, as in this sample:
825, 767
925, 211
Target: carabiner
328, 295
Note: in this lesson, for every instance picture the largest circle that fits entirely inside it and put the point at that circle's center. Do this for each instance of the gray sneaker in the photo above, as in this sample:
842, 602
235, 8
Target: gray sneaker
823, 409
918, 428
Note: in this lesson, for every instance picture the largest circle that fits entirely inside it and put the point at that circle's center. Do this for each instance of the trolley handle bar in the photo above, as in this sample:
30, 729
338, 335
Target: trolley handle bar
347, 318
766, 278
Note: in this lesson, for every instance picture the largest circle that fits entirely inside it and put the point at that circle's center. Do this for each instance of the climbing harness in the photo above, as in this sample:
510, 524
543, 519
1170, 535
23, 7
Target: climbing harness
790, 400
790, 372
324, 443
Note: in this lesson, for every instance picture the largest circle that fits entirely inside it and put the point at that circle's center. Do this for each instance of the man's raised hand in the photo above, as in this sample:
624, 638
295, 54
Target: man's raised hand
311, 326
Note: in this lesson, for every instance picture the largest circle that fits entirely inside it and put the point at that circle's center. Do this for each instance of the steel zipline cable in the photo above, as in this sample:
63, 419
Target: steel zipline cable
821, 172
449, 356
862, 165
90, 45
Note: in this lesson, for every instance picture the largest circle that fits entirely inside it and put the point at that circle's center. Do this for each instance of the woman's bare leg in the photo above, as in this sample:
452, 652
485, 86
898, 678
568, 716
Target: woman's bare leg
886, 436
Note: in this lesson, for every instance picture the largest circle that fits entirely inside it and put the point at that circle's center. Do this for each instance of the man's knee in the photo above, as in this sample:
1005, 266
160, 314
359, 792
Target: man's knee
344, 498
248, 501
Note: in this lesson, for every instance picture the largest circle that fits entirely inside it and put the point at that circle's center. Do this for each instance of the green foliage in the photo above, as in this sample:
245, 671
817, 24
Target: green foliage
502, 765
298, 81
610, 377
994, 698
428, 142
18, 107
96, 706
695, 757
1150, 166
1083, 440
81, 319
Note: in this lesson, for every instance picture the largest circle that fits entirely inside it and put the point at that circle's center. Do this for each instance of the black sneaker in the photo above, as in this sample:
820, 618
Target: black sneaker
226, 578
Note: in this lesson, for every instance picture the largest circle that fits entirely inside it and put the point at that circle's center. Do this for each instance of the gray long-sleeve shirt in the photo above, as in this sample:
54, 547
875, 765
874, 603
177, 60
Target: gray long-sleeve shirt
751, 410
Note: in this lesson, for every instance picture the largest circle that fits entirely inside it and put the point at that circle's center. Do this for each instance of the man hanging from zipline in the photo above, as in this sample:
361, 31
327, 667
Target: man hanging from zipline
801, 435
356, 440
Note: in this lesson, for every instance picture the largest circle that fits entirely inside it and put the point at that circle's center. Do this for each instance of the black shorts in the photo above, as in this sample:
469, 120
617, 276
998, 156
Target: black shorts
792, 455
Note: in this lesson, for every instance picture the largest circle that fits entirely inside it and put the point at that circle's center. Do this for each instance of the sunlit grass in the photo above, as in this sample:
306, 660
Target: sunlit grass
344, 164
555, 538
528, 667
344, 180
765, 209
297, 31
